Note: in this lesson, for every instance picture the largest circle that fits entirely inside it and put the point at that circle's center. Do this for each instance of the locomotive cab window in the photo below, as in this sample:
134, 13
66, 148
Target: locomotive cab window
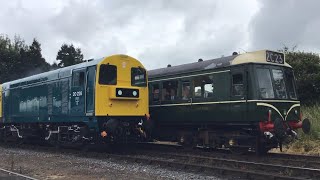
237, 85
108, 74
265, 83
291, 85
138, 77
279, 83
78, 78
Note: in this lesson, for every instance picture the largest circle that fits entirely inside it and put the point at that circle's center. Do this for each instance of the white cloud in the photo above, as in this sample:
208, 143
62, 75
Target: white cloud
156, 32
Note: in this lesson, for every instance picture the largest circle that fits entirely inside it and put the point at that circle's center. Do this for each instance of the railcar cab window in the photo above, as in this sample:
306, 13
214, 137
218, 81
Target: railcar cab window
265, 83
237, 85
78, 78
108, 74
186, 88
169, 90
279, 83
203, 87
138, 77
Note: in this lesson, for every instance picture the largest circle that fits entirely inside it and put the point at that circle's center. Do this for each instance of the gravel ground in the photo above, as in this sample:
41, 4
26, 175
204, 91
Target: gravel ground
49, 165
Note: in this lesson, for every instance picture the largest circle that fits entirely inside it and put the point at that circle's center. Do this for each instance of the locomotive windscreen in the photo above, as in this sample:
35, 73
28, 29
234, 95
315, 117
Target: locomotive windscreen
276, 83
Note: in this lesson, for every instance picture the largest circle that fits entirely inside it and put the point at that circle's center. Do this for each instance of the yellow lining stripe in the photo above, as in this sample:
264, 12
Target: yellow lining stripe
271, 106
220, 102
293, 106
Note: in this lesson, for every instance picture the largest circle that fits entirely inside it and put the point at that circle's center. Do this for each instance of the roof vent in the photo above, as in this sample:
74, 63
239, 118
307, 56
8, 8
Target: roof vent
200, 60
234, 53
169, 65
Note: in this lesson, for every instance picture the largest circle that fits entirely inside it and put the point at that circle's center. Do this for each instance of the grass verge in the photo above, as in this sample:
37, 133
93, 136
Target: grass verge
307, 143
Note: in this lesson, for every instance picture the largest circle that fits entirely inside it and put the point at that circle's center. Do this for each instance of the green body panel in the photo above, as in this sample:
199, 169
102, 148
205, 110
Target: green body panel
49, 100
223, 107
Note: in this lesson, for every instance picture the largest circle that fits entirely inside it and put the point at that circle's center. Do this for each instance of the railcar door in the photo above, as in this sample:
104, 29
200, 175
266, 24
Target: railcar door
238, 105
78, 92
91, 75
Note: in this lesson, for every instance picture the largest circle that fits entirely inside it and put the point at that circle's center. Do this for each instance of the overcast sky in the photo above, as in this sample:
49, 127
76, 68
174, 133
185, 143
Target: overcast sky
161, 32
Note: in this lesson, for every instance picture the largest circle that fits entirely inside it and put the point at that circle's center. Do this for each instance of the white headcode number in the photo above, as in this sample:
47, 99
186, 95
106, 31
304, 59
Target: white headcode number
274, 57
77, 93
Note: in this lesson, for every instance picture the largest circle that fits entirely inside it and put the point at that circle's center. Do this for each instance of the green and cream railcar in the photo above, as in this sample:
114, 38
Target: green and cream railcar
244, 101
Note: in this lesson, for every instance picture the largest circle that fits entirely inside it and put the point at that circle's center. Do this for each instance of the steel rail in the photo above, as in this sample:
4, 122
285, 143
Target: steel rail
17, 174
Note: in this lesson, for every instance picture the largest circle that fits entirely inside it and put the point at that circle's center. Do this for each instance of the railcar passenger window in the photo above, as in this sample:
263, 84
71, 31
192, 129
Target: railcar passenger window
108, 74
78, 78
186, 90
237, 85
169, 90
203, 87
156, 92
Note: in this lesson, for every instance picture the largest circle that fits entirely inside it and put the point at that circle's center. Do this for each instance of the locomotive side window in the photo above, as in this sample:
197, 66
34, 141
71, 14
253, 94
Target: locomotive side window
186, 90
78, 78
108, 74
237, 85
265, 83
156, 92
169, 90
203, 87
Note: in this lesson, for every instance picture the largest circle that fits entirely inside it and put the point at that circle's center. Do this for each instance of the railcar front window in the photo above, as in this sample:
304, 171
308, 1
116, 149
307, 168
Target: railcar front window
138, 77
265, 83
108, 74
279, 83
291, 85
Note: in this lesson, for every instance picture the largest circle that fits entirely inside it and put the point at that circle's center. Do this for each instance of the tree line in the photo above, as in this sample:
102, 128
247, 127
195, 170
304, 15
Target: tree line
18, 59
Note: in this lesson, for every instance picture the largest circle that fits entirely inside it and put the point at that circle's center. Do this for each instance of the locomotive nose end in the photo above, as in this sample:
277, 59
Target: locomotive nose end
306, 126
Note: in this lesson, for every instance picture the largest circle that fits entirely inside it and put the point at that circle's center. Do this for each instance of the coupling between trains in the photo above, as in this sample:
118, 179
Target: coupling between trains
243, 101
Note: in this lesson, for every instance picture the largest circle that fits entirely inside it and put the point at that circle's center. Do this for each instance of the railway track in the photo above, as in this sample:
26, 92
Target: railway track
248, 168
273, 166
6, 174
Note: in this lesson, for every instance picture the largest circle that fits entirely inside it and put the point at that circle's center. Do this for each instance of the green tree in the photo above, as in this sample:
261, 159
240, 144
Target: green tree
11, 66
18, 60
36, 63
68, 55
306, 66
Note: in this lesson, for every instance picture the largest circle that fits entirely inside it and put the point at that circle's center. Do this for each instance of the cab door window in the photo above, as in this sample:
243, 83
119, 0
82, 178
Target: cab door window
78, 78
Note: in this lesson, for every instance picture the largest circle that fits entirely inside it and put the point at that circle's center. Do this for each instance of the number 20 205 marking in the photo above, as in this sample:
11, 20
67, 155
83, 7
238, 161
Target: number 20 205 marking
77, 93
